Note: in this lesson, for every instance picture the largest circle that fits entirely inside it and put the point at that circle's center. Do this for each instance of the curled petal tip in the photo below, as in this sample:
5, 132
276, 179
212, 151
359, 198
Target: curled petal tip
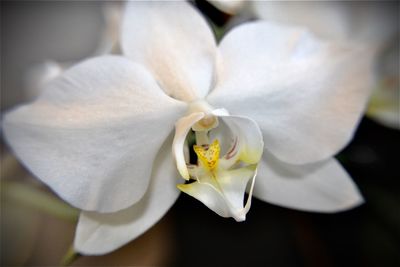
240, 217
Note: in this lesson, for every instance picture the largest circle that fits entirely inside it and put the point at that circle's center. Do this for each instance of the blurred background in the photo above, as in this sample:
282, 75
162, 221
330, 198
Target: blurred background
37, 228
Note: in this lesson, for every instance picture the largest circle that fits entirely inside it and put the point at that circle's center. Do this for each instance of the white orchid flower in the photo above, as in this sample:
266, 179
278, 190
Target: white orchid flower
269, 98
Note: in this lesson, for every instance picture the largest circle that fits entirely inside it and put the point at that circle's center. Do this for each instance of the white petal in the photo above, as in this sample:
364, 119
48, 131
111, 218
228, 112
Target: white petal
223, 194
94, 133
182, 128
174, 42
307, 96
99, 233
228, 6
320, 187
366, 22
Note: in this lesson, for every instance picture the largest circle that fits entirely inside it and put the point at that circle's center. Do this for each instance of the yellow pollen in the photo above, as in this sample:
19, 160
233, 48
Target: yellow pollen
208, 155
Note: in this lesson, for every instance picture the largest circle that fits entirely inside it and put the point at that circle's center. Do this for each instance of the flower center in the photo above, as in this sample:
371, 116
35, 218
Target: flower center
218, 182
209, 121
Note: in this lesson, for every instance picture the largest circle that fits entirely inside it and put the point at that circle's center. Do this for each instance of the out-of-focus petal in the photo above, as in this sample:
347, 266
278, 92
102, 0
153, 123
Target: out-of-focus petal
93, 134
112, 15
320, 187
384, 104
100, 233
228, 6
371, 22
174, 42
38, 76
306, 95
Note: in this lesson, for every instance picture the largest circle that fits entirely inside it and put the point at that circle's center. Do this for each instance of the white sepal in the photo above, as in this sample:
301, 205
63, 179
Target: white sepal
320, 187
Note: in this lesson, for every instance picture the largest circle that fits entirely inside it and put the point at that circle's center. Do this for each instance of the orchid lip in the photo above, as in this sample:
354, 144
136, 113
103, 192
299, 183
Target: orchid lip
219, 180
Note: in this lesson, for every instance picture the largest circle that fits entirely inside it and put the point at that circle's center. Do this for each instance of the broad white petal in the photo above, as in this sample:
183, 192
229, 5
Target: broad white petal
182, 128
223, 194
100, 233
307, 96
371, 22
174, 42
94, 133
320, 187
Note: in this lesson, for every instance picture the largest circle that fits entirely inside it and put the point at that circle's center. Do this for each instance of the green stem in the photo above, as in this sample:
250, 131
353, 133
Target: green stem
29, 195
69, 257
